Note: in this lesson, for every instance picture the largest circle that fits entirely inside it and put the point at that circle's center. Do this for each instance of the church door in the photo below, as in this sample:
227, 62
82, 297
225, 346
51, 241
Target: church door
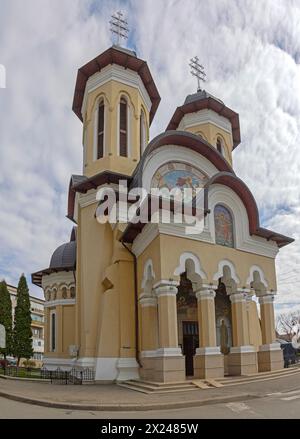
190, 343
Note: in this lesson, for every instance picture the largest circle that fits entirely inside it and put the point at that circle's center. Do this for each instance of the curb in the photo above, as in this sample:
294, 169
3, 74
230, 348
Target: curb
129, 407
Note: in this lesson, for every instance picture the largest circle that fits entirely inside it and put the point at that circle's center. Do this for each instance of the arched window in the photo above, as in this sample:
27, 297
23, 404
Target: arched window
72, 292
123, 128
223, 226
142, 133
53, 332
64, 293
100, 131
220, 146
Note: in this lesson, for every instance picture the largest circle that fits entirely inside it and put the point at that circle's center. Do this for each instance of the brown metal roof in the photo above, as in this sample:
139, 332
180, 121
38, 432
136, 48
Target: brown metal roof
203, 100
62, 259
115, 55
84, 184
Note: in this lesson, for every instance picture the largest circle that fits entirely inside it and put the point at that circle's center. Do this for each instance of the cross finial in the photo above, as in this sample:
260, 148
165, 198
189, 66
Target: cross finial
119, 26
197, 70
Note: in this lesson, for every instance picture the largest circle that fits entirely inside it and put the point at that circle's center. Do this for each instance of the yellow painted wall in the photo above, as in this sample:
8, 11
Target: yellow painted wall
210, 133
94, 250
68, 313
210, 255
111, 92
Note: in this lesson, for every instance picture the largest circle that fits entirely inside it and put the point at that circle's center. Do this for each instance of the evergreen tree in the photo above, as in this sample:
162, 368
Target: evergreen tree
6, 317
22, 323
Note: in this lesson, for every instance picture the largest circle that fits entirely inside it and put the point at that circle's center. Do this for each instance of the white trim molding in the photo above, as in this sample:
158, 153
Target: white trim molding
250, 279
238, 297
147, 301
106, 369
209, 350
182, 265
226, 263
220, 194
165, 290
169, 352
52, 363
128, 369
119, 74
62, 277
267, 299
205, 116
174, 153
53, 303
148, 354
270, 347
242, 349
205, 295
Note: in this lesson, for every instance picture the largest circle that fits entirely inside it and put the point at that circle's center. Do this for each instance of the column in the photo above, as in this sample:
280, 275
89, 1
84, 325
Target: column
149, 323
270, 356
149, 339
242, 356
208, 361
169, 363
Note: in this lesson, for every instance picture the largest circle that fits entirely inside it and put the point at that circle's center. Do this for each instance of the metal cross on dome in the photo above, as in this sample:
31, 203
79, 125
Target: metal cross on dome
197, 70
119, 26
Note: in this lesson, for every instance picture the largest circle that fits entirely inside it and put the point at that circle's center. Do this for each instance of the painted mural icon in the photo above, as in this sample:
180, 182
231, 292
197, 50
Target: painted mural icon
181, 175
223, 226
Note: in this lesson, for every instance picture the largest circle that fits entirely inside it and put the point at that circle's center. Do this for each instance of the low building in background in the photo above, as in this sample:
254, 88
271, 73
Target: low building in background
37, 323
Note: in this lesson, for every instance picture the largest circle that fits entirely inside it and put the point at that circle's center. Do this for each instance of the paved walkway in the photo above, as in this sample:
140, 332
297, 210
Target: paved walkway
113, 397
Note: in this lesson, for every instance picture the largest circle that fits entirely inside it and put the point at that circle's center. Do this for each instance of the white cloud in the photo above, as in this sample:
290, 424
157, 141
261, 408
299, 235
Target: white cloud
250, 50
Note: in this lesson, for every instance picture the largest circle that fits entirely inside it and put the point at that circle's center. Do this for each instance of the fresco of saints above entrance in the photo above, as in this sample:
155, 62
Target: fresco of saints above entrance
178, 175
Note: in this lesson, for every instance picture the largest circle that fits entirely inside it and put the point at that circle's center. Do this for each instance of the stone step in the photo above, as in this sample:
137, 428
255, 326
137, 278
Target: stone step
156, 390
262, 374
158, 384
256, 377
180, 386
163, 387
132, 387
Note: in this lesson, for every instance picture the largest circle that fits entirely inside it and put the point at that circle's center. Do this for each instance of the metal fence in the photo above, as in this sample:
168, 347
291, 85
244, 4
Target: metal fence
73, 376
56, 376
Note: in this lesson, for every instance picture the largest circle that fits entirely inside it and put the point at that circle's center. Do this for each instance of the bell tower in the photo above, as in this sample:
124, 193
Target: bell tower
208, 117
116, 100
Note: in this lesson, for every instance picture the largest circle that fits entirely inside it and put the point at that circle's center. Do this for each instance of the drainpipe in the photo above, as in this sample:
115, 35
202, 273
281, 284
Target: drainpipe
136, 304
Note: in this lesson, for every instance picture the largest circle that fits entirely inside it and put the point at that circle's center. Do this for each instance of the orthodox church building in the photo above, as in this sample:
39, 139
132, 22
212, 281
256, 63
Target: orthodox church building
147, 300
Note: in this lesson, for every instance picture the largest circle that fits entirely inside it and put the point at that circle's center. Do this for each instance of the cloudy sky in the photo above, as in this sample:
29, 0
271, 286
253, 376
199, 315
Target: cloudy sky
251, 52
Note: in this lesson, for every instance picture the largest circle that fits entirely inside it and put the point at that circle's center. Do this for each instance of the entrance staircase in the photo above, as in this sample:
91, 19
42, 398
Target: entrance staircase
180, 386
152, 387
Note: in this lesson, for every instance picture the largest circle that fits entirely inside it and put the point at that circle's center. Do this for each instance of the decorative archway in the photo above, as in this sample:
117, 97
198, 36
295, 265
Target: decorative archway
191, 278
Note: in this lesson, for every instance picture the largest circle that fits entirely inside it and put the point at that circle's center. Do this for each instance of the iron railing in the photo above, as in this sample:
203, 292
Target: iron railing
72, 376
57, 376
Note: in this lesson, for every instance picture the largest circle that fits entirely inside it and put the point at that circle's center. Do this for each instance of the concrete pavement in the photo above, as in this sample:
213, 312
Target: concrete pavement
114, 398
285, 405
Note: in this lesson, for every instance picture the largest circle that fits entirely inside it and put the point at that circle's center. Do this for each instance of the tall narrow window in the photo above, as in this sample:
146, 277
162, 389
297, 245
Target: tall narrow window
223, 226
142, 133
100, 132
123, 128
220, 147
53, 332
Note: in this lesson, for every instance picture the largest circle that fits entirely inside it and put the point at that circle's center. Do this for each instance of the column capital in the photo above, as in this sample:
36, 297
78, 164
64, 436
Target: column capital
148, 301
166, 288
238, 297
205, 294
269, 298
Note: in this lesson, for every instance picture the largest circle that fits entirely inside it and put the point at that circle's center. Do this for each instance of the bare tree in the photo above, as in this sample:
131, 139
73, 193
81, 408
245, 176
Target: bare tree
285, 323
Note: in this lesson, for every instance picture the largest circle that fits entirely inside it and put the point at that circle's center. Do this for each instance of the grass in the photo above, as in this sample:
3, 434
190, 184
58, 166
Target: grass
22, 373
